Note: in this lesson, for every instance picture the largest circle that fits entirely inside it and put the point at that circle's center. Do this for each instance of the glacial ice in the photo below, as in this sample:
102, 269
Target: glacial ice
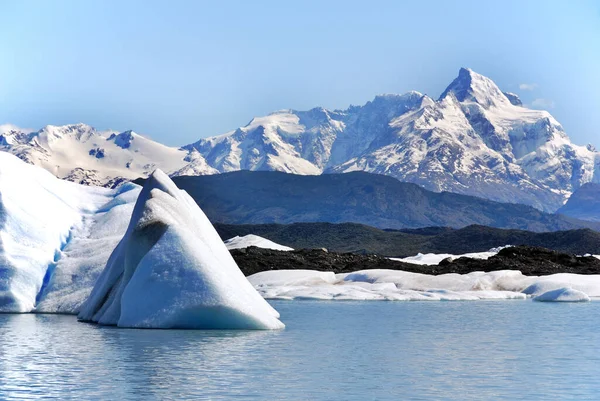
395, 285
38, 214
83, 259
171, 270
564, 294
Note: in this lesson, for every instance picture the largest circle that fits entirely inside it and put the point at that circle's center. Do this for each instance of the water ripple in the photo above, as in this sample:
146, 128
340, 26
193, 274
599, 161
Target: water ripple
329, 350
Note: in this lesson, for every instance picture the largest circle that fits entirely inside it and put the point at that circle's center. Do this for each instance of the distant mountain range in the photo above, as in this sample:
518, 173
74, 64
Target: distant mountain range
358, 238
474, 140
247, 197
584, 203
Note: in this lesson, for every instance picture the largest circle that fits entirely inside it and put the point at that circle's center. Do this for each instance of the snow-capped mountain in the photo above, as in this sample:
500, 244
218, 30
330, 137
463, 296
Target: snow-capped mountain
474, 140
81, 154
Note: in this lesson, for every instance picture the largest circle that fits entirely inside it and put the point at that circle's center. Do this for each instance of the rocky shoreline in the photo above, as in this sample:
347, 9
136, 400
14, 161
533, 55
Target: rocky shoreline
531, 261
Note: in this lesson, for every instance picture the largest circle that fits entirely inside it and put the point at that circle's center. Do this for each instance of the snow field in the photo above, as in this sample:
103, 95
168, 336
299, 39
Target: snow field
254, 240
436, 258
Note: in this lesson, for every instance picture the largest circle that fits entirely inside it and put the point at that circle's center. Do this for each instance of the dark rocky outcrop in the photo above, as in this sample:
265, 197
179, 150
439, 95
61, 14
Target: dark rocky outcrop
263, 197
529, 260
357, 238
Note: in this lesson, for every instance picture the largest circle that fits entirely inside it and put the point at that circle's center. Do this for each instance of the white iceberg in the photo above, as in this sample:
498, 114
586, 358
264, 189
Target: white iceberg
38, 215
84, 257
564, 294
171, 270
245, 241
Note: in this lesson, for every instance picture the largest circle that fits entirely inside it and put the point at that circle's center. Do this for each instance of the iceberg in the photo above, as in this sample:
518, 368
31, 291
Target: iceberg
38, 215
171, 270
563, 295
84, 257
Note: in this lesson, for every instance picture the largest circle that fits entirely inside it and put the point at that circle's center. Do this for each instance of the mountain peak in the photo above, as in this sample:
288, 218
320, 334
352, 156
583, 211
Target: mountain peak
470, 86
513, 98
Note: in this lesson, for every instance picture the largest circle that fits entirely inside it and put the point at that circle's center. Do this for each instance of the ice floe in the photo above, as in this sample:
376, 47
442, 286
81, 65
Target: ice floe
563, 295
171, 270
406, 286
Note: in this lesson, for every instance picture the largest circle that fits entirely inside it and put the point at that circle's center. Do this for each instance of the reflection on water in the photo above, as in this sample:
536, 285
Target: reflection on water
329, 350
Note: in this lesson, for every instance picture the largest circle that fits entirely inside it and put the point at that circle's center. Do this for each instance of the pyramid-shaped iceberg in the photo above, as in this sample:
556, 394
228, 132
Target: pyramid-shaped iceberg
171, 270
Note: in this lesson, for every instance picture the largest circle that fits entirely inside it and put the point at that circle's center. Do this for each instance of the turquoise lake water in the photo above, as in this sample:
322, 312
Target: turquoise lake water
329, 351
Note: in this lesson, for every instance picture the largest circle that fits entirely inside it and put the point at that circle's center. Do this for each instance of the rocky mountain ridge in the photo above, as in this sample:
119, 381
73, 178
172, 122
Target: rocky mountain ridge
474, 140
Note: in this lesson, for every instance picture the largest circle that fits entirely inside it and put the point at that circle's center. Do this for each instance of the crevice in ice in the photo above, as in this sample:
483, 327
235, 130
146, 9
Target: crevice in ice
52, 266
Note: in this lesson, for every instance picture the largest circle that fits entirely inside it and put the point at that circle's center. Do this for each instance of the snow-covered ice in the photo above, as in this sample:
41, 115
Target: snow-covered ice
245, 241
84, 257
406, 286
171, 270
563, 295
38, 214
436, 258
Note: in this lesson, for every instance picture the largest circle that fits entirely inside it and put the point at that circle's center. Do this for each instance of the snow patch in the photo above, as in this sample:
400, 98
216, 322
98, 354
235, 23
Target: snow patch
436, 258
245, 241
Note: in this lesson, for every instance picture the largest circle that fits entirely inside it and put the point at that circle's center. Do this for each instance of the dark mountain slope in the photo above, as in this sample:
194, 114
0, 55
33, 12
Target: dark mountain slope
260, 197
584, 203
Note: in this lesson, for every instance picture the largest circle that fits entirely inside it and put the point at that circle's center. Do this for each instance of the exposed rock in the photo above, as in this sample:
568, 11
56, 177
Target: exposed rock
530, 261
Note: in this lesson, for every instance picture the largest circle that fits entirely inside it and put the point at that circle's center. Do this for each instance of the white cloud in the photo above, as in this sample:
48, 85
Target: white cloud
542, 104
527, 87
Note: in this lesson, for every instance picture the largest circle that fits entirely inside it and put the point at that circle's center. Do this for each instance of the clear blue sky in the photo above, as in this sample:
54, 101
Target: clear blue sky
180, 70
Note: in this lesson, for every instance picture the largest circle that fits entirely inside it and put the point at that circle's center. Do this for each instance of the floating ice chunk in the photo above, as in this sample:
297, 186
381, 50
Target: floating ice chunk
564, 294
542, 286
171, 270
254, 240
588, 284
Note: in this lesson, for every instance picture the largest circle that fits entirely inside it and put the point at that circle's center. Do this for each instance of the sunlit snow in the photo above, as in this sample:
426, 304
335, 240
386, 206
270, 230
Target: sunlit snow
254, 240
436, 258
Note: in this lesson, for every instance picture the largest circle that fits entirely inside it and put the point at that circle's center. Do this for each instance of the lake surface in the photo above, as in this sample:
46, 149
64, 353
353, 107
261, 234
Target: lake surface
329, 351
